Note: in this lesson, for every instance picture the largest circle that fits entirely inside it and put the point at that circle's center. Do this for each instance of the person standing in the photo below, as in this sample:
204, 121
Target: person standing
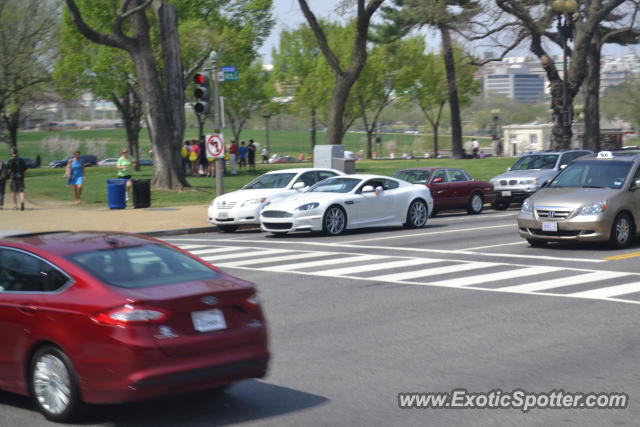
265, 155
184, 153
125, 170
194, 155
17, 168
242, 154
76, 176
233, 151
4, 174
251, 156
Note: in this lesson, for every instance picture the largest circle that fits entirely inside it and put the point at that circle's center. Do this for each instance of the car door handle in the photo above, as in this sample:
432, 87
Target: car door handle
28, 309
439, 191
349, 202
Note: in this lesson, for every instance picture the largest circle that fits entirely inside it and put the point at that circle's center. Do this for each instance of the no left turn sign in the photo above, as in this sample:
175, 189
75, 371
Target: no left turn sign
215, 146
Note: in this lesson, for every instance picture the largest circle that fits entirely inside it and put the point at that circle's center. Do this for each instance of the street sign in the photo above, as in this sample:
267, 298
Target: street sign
215, 146
228, 76
229, 69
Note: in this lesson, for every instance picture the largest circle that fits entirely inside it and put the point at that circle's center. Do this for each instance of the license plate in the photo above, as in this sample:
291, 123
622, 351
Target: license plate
549, 226
223, 215
506, 194
208, 320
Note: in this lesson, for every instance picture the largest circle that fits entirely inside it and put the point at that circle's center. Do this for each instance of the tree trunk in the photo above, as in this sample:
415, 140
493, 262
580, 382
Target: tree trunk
313, 128
335, 128
591, 136
454, 104
12, 123
434, 127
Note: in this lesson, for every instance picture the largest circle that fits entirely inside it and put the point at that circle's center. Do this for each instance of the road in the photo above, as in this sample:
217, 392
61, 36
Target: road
462, 303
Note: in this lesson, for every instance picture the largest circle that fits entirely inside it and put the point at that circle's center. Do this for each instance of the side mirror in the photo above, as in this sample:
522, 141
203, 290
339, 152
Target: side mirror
368, 189
298, 185
437, 180
635, 185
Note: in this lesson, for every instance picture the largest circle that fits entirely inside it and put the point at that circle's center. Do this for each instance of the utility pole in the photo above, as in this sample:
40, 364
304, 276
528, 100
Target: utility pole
213, 58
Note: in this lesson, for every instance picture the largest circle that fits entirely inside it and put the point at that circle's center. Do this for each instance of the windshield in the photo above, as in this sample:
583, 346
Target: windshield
142, 266
270, 180
536, 161
413, 176
335, 185
593, 174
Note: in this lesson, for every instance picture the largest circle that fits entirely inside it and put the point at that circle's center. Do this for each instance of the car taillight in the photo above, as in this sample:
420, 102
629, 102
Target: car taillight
252, 302
131, 314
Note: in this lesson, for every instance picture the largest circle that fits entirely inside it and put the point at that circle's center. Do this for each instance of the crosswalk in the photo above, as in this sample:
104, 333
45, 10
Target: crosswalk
406, 270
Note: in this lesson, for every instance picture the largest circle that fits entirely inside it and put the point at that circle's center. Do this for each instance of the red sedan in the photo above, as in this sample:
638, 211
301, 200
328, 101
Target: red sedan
451, 188
112, 317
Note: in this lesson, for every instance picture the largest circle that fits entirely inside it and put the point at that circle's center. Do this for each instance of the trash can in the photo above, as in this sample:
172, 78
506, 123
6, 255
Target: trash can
116, 192
141, 193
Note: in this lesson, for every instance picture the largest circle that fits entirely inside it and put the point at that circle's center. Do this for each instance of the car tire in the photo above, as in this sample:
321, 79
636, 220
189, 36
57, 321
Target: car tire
417, 214
500, 205
475, 205
334, 221
537, 243
227, 228
622, 231
54, 386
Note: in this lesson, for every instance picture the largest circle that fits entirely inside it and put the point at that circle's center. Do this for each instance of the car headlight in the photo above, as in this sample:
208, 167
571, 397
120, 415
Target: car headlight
527, 207
253, 202
308, 206
594, 208
531, 181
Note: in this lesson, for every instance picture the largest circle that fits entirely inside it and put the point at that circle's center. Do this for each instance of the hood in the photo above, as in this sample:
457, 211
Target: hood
572, 197
240, 196
527, 173
296, 200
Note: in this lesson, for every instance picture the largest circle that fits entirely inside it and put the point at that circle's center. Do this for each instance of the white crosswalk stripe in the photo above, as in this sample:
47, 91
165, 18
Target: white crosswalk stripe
425, 271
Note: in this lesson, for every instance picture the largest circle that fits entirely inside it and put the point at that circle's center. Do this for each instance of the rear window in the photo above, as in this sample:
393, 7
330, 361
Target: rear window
142, 266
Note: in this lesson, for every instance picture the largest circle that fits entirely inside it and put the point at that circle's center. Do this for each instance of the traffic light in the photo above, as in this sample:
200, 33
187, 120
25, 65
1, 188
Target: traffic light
202, 93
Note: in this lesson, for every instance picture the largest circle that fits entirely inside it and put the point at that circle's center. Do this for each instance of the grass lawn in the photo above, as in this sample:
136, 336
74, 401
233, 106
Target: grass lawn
50, 184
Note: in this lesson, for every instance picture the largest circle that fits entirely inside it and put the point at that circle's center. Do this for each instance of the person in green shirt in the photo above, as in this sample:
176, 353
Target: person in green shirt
125, 169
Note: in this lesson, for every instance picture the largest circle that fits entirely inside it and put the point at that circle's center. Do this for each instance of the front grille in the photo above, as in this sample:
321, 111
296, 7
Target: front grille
553, 213
225, 205
504, 182
564, 233
276, 214
277, 225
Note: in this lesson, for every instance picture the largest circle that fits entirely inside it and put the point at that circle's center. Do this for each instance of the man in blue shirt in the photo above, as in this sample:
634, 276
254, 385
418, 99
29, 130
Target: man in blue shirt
242, 154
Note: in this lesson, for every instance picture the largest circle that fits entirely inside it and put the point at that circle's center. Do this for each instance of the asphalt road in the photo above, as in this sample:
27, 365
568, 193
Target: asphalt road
462, 303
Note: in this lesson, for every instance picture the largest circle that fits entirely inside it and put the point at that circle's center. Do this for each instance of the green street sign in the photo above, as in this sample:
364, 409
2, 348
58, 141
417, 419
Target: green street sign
228, 76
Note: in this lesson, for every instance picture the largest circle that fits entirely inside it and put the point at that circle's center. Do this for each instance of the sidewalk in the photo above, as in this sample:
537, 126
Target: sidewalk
52, 216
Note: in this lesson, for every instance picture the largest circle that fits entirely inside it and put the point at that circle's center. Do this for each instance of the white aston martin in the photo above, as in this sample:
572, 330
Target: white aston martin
347, 202
242, 207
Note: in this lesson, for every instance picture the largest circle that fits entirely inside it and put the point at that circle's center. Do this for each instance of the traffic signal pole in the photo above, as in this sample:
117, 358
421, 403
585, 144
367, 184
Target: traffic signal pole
216, 121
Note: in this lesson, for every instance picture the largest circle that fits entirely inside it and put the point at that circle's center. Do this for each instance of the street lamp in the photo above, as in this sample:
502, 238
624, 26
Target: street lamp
266, 116
566, 11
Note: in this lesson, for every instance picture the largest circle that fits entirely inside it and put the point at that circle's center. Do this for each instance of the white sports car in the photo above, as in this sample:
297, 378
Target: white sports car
242, 207
351, 201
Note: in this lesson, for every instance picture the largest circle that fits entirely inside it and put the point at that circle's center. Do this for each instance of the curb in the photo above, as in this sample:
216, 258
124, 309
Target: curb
177, 232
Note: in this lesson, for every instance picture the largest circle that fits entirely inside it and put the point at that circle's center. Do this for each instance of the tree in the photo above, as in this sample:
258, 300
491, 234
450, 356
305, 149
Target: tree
388, 74
246, 96
536, 17
345, 78
27, 34
162, 94
623, 102
445, 16
105, 71
428, 89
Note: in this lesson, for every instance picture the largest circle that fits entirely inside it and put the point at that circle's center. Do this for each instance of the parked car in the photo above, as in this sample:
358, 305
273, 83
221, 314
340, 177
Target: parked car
529, 173
595, 198
111, 317
88, 159
145, 162
282, 159
109, 161
348, 202
451, 188
242, 207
